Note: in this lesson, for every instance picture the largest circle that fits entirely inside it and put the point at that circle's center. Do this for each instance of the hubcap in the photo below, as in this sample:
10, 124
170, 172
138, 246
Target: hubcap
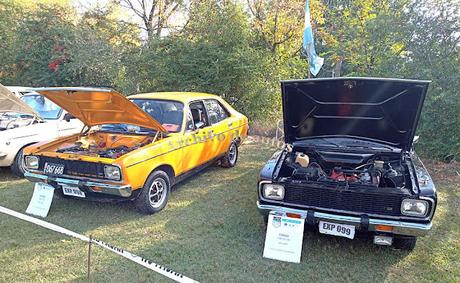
232, 154
157, 192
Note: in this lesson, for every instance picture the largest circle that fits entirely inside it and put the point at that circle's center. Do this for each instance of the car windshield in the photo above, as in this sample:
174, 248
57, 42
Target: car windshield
44, 107
168, 113
125, 128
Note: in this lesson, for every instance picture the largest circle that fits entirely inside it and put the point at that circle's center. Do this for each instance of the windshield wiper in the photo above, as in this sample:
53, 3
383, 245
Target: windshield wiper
368, 145
321, 141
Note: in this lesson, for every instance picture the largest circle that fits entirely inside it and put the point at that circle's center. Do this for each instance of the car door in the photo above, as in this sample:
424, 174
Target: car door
197, 141
219, 118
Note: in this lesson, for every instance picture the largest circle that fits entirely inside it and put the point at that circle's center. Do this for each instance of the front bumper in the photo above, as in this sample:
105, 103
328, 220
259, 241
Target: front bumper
399, 227
6, 159
124, 191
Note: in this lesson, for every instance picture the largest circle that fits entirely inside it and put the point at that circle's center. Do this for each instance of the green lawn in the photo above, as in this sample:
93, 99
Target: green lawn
211, 231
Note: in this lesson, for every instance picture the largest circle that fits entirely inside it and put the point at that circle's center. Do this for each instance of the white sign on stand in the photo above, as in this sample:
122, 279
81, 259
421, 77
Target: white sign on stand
41, 200
284, 237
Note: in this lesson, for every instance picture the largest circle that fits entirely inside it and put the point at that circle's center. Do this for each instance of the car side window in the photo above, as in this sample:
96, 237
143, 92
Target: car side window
189, 126
199, 114
216, 112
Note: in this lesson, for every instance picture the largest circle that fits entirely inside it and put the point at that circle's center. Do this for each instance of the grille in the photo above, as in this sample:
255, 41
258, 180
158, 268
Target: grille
75, 167
348, 200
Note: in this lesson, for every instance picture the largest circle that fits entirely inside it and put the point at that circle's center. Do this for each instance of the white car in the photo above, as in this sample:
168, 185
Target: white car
27, 120
19, 90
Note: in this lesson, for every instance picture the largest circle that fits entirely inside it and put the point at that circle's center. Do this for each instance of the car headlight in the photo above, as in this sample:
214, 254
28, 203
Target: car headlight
414, 207
272, 191
31, 162
112, 172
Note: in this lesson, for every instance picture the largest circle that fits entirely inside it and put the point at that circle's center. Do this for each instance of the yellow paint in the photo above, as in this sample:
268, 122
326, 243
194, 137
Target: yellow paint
181, 151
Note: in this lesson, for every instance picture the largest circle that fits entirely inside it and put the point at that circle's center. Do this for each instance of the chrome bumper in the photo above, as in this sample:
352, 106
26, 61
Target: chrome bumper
400, 228
105, 188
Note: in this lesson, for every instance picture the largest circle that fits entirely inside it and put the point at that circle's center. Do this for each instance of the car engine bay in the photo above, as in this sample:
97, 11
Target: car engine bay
350, 169
105, 145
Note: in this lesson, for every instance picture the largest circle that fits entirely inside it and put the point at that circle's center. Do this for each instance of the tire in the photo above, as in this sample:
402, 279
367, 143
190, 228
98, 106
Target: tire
148, 201
17, 166
231, 157
404, 243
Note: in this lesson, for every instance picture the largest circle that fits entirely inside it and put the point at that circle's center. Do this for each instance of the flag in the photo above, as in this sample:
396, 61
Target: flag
315, 62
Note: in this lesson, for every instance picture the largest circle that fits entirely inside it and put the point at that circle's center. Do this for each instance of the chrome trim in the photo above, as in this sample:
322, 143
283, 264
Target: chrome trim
83, 178
399, 227
111, 189
432, 206
81, 89
282, 203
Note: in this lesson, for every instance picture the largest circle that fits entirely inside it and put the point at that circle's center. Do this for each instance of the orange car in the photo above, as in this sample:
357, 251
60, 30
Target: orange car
137, 147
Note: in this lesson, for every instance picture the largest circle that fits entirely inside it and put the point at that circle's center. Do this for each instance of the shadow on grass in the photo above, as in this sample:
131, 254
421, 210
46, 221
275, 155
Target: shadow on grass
7, 175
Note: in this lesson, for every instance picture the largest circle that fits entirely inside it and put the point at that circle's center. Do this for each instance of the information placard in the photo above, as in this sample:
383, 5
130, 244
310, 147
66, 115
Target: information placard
41, 200
284, 237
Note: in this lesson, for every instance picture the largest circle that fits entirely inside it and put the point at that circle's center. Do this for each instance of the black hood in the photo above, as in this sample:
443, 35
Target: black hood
377, 109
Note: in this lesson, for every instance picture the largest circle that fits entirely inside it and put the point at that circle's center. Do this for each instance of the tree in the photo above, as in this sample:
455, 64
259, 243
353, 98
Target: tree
155, 14
433, 52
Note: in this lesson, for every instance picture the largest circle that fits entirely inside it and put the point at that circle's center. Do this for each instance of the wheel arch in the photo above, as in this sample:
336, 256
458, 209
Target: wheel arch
21, 148
168, 169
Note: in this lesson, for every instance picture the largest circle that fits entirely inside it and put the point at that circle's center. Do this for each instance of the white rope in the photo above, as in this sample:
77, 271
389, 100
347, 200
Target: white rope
137, 259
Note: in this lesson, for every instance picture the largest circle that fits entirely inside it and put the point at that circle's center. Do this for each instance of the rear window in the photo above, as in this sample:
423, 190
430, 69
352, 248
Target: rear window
216, 112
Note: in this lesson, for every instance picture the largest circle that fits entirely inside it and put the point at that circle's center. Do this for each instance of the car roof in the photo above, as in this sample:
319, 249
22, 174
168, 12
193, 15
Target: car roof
176, 96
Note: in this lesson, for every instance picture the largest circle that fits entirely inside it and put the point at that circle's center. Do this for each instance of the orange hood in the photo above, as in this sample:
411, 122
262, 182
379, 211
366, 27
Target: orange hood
94, 106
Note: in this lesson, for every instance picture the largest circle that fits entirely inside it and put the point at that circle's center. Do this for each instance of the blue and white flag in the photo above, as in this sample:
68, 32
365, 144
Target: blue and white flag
308, 47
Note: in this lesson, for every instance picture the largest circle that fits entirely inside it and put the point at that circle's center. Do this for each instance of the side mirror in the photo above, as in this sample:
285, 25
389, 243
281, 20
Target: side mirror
416, 139
199, 125
68, 117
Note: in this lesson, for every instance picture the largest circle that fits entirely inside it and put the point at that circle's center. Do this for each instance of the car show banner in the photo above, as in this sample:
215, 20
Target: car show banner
137, 259
284, 237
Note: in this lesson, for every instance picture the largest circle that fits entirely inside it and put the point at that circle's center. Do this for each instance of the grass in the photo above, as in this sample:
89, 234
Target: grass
211, 231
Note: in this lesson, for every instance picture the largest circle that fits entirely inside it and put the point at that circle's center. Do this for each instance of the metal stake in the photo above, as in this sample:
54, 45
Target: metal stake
89, 255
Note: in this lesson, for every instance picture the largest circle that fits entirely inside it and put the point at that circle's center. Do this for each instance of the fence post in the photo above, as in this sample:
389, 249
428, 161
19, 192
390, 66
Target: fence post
89, 255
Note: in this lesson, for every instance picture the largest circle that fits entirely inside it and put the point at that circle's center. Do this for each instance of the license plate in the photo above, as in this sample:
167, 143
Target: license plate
73, 191
53, 168
341, 230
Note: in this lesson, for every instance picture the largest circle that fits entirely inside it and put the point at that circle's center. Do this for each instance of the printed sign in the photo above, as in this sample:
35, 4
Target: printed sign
41, 200
284, 237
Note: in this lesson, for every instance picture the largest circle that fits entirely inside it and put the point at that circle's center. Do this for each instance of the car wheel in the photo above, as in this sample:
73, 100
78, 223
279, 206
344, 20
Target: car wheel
155, 193
17, 167
404, 243
230, 158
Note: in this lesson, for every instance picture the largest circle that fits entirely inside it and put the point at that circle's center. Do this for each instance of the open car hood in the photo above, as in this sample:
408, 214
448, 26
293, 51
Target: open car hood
377, 109
11, 103
94, 106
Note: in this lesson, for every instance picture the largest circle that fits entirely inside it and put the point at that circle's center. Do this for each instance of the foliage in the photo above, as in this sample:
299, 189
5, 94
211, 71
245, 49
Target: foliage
212, 55
434, 48
240, 50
